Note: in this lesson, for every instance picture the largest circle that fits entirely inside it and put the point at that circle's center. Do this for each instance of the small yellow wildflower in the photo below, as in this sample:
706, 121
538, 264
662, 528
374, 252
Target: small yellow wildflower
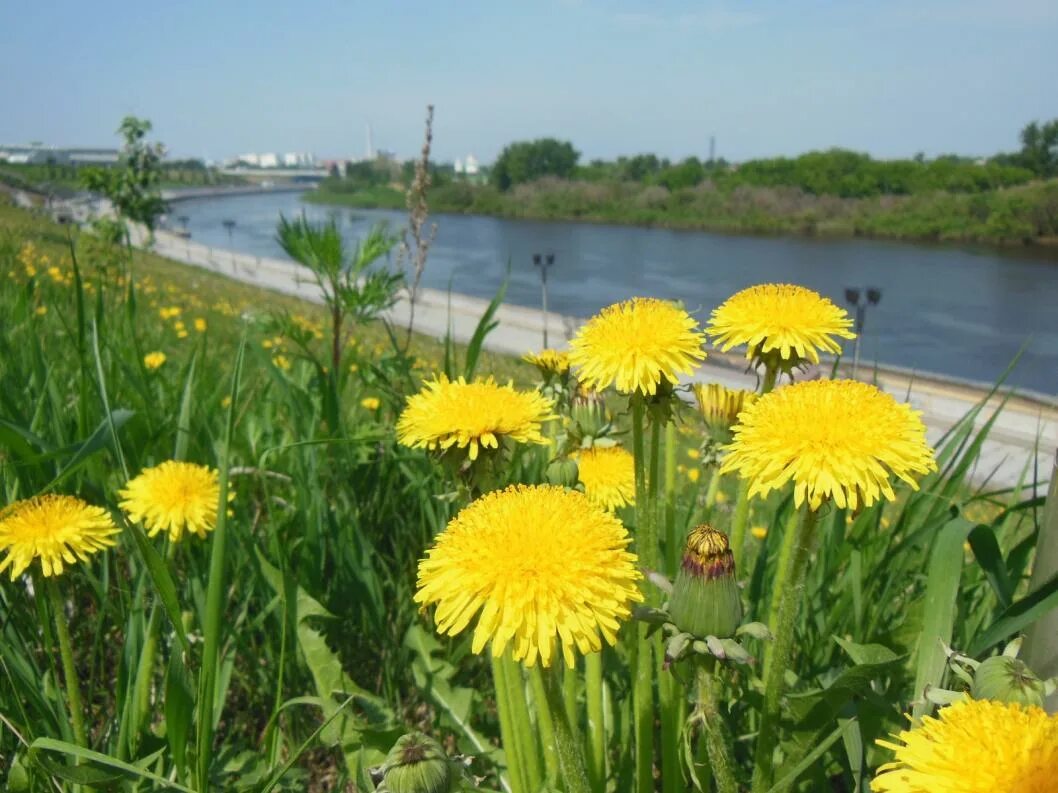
53, 529
200, 325
40, 311
154, 360
608, 476
542, 569
282, 362
974, 746
637, 346
474, 415
759, 532
370, 403
693, 474
694, 454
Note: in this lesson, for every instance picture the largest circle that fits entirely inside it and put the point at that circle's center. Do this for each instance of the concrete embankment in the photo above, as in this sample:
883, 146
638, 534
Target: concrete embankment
1022, 443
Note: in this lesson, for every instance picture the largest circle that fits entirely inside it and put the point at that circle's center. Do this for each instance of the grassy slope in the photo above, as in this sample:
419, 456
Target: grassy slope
170, 277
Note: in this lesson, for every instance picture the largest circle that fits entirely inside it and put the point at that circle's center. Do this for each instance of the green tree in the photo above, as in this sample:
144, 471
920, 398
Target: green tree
685, 174
1039, 147
132, 186
527, 161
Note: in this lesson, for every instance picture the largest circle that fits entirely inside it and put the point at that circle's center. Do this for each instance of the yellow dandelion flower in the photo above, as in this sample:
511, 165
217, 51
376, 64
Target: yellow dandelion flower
353, 368
40, 311
226, 401
282, 362
694, 454
759, 532
637, 345
370, 403
693, 474
267, 344
200, 325
783, 317
57, 530
542, 565
154, 360
549, 362
721, 497
975, 746
608, 475
181, 334
174, 497
837, 439
449, 413
720, 406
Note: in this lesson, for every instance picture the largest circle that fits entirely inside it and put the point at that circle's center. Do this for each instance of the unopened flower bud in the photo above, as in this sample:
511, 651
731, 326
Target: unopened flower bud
588, 412
705, 598
1007, 679
562, 471
417, 764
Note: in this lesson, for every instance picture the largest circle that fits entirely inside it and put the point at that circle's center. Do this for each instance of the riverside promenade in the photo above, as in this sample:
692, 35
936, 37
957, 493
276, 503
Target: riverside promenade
1021, 446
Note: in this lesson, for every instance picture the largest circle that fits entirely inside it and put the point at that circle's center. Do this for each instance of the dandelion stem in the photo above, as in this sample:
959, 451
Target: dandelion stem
570, 757
515, 768
717, 740
714, 486
793, 563
544, 725
669, 697
738, 526
596, 727
524, 736
646, 547
69, 670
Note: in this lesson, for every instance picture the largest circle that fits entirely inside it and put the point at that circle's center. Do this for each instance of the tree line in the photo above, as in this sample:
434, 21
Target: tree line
837, 172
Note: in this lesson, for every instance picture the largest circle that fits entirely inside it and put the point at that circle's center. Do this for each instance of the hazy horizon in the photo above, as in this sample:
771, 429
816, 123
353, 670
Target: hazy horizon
889, 79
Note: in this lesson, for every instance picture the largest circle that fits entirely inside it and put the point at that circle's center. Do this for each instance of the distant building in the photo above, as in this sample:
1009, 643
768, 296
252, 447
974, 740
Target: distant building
298, 159
469, 168
43, 155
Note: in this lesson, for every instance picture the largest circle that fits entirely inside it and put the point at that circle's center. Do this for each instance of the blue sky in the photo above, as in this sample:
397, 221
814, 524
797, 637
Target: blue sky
615, 77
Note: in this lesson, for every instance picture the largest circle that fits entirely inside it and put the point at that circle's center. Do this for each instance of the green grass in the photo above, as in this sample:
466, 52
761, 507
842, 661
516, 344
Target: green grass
290, 656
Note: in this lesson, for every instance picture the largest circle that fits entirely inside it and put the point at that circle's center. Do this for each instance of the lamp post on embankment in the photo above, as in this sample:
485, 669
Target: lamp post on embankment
544, 262
872, 296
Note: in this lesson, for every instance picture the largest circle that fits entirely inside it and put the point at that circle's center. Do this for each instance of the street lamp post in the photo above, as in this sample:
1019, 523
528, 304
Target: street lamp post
230, 226
544, 262
872, 296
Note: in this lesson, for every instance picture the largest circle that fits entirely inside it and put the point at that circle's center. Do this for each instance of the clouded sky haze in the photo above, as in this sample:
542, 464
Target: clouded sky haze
766, 77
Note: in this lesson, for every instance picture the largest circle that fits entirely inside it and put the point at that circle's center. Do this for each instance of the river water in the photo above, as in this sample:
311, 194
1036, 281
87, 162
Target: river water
958, 311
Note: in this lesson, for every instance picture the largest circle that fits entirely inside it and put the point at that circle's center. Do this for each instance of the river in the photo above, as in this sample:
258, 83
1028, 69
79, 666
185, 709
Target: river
959, 311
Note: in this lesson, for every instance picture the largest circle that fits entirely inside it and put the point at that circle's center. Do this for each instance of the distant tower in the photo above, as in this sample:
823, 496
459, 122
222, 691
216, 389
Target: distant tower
712, 148
370, 145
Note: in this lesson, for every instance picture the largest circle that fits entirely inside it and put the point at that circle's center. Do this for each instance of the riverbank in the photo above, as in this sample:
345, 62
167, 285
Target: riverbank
1025, 215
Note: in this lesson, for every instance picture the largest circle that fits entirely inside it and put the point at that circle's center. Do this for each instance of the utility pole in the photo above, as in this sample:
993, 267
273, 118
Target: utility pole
544, 262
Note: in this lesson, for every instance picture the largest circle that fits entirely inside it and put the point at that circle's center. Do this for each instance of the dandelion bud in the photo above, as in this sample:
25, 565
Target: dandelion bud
1005, 679
417, 764
588, 414
705, 598
562, 471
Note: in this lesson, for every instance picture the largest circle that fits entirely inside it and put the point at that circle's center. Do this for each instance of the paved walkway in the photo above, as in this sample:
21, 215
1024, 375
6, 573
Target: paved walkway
1022, 443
